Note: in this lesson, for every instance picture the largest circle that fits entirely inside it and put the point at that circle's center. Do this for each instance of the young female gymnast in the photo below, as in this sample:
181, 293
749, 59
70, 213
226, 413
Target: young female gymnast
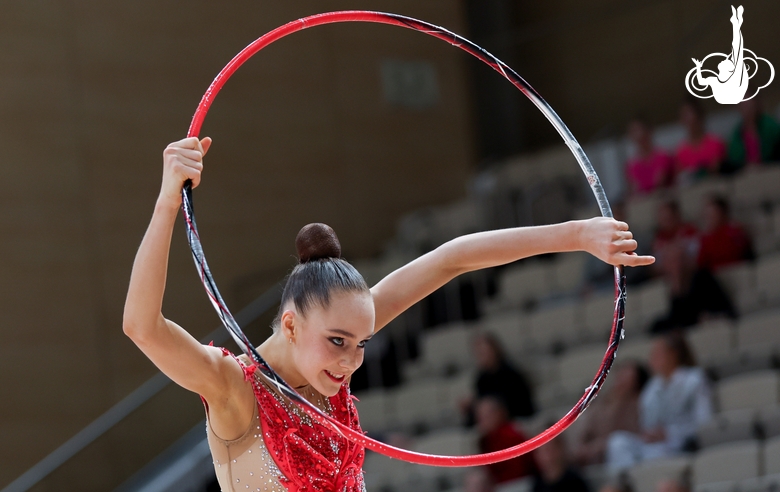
259, 440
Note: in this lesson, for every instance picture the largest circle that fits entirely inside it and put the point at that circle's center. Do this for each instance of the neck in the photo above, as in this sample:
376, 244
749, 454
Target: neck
277, 352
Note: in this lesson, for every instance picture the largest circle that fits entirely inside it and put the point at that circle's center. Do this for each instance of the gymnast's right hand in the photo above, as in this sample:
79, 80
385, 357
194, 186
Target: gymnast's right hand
182, 160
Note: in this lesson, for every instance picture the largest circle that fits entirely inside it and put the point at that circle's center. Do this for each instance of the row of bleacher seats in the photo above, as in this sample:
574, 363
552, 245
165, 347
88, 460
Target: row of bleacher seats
433, 402
560, 344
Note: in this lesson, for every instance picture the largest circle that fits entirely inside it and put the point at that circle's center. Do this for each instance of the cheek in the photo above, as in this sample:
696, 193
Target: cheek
314, 356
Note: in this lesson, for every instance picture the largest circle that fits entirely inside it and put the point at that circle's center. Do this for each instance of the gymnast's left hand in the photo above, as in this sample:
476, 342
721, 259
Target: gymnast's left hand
610, 241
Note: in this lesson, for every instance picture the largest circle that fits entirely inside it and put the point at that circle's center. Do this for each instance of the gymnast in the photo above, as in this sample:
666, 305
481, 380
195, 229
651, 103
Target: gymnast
731, 84
259, 440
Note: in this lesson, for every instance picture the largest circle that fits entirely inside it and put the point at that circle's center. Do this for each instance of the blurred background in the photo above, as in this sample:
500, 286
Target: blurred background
399, 142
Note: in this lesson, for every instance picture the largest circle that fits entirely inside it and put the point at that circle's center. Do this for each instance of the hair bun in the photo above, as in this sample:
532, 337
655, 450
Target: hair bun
317, 241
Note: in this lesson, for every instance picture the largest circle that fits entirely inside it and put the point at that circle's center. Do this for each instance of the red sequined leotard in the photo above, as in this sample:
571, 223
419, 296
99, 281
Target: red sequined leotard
284, 450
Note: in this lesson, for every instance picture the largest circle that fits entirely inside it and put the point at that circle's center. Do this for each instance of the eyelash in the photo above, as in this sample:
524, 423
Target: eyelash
339, 342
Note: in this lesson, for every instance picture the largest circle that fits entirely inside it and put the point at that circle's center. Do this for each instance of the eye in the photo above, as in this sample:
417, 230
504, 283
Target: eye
337, 341
362, 344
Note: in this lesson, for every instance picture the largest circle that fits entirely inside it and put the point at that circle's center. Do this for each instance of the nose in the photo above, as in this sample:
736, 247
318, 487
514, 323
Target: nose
350, 362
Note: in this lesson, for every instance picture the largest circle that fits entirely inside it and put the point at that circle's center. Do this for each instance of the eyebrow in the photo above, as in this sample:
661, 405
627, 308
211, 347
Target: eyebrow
345, 333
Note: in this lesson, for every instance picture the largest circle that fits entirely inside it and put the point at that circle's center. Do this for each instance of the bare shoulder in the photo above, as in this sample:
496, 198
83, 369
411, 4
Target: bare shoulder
231, 407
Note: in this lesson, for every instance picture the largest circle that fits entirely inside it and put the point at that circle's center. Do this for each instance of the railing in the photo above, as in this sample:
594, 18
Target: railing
131, 403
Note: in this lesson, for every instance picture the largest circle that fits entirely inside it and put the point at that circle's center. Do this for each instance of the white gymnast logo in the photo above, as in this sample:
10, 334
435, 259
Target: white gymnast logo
735, 70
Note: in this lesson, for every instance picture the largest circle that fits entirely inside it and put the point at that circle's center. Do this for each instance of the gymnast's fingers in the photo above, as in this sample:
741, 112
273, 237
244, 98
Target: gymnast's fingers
191, 157
623, 235
205, 145
625, 245
621, 226
634, 260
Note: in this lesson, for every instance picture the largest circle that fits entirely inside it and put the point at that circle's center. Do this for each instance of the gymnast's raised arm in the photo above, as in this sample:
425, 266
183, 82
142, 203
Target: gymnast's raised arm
175, 352
607, 239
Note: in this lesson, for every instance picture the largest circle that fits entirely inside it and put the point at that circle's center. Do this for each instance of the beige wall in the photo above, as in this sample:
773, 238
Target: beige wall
91, 92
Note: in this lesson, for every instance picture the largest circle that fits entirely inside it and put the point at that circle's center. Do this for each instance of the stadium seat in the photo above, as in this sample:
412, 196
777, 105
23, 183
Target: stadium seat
759, 333
448, 348
641, 213
521, 485
510, 327
768, 279
749, 390
597, 312
454, 441
652, 299
456, 389
772, 456
739, 281
525, 282
555, 325
645, 476
383, 473
568, 271
757, 186
769, 421
725, 462
418, 404
693, 198
712, 341
578, 366
375, 408
734, 425
635, 347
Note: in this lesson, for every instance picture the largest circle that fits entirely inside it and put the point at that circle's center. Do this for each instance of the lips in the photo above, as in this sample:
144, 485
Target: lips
335, 377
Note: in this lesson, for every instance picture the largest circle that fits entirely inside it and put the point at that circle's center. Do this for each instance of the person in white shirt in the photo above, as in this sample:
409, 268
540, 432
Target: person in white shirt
673, 404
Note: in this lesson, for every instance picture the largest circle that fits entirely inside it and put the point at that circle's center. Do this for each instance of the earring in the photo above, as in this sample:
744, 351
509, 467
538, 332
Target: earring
290, 339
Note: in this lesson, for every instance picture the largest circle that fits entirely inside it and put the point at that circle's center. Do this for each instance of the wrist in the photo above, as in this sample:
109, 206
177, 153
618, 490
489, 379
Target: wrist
168, 204
576, 231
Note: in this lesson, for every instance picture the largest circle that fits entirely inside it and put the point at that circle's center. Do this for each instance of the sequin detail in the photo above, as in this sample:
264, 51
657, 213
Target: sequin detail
292, 453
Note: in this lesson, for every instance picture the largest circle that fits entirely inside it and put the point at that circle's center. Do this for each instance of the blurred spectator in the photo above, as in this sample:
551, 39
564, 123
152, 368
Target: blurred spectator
651, 168
755, 140
675, 402
724, 242
496, 433
554, 472
497, 377
675, 248
701, 153
696, 293
616, 410
477, 480
672, 485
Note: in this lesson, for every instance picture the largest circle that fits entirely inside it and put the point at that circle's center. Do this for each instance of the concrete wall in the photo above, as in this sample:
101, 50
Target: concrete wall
90, 94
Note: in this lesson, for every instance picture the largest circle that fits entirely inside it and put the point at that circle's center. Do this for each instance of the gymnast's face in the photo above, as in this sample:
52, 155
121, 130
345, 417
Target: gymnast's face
328, 343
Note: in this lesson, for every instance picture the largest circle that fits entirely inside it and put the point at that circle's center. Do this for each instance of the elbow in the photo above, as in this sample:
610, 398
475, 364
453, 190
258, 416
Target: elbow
450, 259
130, 328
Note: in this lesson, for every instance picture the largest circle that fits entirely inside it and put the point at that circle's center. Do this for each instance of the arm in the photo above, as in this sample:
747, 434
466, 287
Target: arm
607, 239
175, 352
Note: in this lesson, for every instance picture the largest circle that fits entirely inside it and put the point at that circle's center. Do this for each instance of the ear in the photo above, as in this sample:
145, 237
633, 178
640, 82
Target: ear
287, 324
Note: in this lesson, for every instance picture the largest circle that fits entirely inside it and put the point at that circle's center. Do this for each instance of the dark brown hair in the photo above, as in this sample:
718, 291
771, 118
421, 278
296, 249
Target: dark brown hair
319, 273
675, 341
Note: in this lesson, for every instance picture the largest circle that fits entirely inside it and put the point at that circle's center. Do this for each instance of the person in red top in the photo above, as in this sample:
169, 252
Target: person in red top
675, 246
724, 242
497, 432
700, 154
651, 168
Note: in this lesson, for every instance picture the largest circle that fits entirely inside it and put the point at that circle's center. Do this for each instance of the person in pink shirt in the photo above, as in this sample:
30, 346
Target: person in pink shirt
651, 168
701, 153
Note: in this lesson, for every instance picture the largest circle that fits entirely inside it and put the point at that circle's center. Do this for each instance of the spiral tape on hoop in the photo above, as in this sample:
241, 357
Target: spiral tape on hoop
268, 373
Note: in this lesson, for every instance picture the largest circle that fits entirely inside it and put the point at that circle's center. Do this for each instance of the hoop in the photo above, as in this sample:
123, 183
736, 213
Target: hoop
268, 373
